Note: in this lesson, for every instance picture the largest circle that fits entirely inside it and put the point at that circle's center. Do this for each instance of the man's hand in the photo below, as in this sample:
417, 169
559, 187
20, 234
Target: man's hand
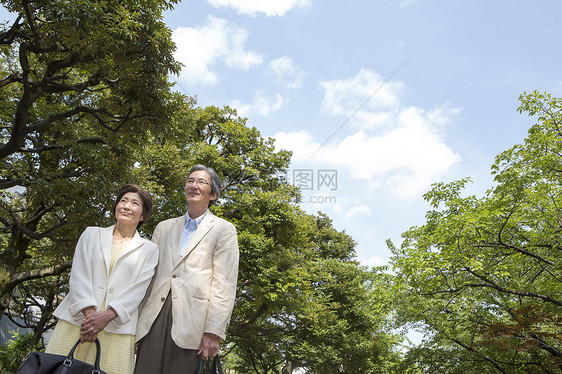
209, 345
94, 323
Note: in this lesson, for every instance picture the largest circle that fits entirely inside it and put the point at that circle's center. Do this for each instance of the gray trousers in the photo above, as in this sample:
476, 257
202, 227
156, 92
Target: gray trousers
157, 353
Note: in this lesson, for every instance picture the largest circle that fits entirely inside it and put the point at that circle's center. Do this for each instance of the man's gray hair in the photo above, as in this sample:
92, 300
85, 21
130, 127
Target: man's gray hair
216, 183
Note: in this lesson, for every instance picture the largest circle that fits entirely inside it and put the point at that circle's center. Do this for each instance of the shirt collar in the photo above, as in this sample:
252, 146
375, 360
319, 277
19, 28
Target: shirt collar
196, 220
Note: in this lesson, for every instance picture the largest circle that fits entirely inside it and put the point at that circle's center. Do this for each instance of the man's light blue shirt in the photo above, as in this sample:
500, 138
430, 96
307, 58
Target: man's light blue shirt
191, 224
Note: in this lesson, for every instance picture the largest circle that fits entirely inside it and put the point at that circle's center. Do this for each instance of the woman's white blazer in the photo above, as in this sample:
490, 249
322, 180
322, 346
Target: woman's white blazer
123, 289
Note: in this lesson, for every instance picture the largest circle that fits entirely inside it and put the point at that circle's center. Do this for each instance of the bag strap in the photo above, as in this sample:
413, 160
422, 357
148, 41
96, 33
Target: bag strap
215, 368
70, 356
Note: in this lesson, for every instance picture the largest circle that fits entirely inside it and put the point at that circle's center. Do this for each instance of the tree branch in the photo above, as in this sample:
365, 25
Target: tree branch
8, 183
522, 251
56, 147
490, 360
7, 37
40, 273
12, 78
495, 286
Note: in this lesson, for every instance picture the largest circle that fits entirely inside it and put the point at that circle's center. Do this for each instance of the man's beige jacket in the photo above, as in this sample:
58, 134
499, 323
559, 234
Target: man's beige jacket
202, 283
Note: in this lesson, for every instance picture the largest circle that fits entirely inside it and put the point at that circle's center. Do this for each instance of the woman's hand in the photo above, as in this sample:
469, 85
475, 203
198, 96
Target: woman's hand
88, 310
94, 323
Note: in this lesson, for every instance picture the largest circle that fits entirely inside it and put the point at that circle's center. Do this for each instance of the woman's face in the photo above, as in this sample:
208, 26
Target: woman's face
129, 209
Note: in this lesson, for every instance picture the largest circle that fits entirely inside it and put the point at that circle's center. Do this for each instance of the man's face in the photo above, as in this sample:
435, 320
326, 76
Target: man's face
198, 189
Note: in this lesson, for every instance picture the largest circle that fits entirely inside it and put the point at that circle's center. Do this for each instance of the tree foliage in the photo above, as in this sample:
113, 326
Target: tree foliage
12, 353
80, 84
483, 275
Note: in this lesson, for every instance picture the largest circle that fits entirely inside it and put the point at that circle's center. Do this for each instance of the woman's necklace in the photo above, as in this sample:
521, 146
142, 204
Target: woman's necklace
120, 239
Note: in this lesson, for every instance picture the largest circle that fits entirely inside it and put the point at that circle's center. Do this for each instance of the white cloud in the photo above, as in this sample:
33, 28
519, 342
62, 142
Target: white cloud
261, 104
361, 210
301, 143
264, 105
403, 154
236, 55
267, 7
366, 90
347, 206
200, 49
405, 160
286, 73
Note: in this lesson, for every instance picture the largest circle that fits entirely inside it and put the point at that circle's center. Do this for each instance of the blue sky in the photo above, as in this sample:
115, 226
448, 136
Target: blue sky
393, 95
390, 95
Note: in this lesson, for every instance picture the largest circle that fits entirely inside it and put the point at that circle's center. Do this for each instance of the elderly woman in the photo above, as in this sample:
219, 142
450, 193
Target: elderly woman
110, 274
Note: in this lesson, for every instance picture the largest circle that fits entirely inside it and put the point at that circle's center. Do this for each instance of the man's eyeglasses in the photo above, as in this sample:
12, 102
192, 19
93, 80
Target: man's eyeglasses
200, 182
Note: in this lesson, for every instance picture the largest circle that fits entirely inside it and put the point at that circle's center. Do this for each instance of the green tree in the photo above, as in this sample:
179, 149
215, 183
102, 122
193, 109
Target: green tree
483, 275
13, 352
81, 82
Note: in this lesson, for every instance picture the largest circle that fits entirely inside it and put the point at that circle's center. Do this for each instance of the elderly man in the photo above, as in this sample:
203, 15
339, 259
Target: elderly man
189, 303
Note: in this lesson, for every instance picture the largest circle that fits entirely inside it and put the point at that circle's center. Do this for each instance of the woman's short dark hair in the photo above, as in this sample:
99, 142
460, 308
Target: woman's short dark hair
145, 197
216, 183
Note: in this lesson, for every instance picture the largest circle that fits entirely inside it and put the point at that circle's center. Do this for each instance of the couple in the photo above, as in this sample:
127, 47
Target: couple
191, 266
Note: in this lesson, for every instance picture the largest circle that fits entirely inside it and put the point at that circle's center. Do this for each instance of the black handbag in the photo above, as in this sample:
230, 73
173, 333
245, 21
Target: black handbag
216, 367
50, 363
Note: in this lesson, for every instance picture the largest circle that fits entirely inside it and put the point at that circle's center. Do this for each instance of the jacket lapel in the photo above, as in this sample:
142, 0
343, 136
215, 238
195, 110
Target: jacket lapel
106, 239
136, 242
176, 234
